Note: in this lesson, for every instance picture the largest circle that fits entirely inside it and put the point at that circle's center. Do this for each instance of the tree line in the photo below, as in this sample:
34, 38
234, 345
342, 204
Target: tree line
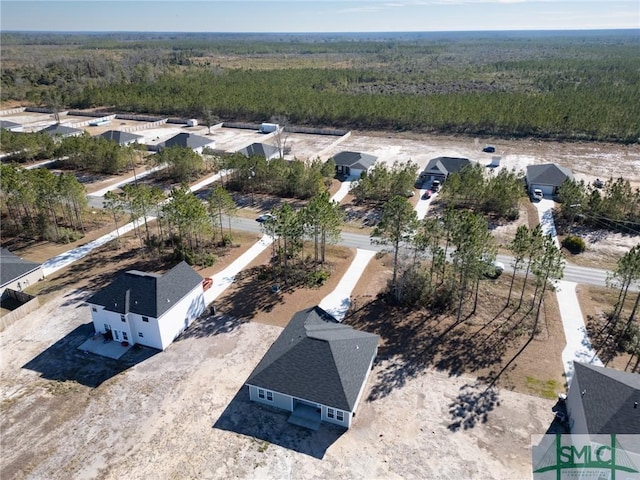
40, 205
439, 262
614, 206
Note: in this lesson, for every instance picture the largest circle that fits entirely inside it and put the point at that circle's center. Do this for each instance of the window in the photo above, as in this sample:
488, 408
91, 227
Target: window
145, 319
340, 415
140, 334
107, 327
123, 318
124, 336
269, 396
260, 393
330, 413
94, 309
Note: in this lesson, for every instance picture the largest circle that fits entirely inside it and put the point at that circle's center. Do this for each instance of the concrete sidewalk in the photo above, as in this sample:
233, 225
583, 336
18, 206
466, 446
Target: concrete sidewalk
578, 346
337, 302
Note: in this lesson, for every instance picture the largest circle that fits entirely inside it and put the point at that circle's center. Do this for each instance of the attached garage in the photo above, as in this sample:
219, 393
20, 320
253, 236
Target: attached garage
547, 177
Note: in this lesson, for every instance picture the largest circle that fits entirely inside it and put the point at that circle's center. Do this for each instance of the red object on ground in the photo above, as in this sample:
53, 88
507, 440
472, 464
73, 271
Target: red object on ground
206, 283
125, 344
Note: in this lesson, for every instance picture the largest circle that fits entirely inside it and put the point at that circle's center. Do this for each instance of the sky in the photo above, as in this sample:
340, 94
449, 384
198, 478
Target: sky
316, 15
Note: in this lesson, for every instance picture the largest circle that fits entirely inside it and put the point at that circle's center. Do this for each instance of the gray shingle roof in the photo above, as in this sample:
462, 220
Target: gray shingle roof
260, 149
361, 161
147, 294
13, 267
446, 165
188, 140
548, 174
121, 137
315, 358
609, 397
8, 124
61, 130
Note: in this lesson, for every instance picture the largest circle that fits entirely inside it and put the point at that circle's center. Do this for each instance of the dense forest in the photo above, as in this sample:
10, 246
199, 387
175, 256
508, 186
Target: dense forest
565, 85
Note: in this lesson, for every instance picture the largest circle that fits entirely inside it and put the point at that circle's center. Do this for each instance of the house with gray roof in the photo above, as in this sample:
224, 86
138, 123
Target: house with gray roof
260, 150
148, 308
317, 369
188, 140
547, 177
122, 138
17, 273
440, 168
603, 400
353, 164
61, 131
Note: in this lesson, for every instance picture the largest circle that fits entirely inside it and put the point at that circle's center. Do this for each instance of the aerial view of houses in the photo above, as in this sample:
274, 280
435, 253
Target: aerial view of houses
393, 253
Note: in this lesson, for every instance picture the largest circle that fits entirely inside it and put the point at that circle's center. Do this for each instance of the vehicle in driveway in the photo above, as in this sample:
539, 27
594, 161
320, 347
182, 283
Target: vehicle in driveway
537, 195
265, 217
489, 149
427, 195
435, 185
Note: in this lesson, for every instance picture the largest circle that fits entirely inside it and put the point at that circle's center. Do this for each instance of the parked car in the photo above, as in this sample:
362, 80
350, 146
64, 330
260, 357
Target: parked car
598, 183
427, 195
265, 217
435, 185
494, 269
489, 149
537, 194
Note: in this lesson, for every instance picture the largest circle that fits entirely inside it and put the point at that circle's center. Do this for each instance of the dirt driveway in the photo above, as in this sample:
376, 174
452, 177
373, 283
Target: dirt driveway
184, 413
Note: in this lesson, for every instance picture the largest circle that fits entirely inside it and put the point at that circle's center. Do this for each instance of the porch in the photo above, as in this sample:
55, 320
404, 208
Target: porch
106, 348
306, 416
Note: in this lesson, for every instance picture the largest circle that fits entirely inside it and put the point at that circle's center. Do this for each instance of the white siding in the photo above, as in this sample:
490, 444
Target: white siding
150, 331
102, 317
176, 320
347, 416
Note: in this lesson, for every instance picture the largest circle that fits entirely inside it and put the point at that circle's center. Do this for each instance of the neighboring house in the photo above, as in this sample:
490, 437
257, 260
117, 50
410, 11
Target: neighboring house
317, 368
353, 164
11, 126
188, 140
148, 308
62, 131
260, 150
440, 168
16, 273
603, 400
122, 138
548, 177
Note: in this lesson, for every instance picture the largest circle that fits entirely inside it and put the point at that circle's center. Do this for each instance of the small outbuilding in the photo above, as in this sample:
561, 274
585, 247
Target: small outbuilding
440, 168
353, 164
547, 177
17, 273
317, 369
147, 308
260, 150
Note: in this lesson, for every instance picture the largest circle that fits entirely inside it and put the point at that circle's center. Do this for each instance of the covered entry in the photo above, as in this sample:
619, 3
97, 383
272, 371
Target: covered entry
306, 414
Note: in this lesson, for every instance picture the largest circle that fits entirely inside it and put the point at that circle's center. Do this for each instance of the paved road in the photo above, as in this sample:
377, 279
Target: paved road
572, 273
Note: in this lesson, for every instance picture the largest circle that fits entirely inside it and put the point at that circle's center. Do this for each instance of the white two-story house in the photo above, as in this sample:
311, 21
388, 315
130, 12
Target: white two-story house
148, 308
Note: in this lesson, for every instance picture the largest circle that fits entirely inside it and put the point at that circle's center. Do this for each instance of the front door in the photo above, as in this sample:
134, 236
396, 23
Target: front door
116, 335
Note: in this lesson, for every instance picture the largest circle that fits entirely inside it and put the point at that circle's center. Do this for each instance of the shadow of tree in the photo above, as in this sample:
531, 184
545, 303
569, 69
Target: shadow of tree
413, 341
270, 426
472, 406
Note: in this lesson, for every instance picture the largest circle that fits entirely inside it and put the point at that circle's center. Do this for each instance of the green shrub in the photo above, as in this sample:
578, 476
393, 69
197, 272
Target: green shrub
574, 244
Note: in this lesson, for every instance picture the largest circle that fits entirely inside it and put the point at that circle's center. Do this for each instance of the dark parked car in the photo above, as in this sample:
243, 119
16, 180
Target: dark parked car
427, 195
265, 217
489, 149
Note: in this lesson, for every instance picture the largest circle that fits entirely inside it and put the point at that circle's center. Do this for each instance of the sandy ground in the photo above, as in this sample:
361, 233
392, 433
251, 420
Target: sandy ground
184, 413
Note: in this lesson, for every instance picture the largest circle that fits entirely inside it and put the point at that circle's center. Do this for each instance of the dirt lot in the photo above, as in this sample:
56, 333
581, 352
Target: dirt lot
184, 413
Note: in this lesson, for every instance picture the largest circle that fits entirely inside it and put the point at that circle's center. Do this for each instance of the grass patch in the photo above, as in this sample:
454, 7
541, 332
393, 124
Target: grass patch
543, 388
